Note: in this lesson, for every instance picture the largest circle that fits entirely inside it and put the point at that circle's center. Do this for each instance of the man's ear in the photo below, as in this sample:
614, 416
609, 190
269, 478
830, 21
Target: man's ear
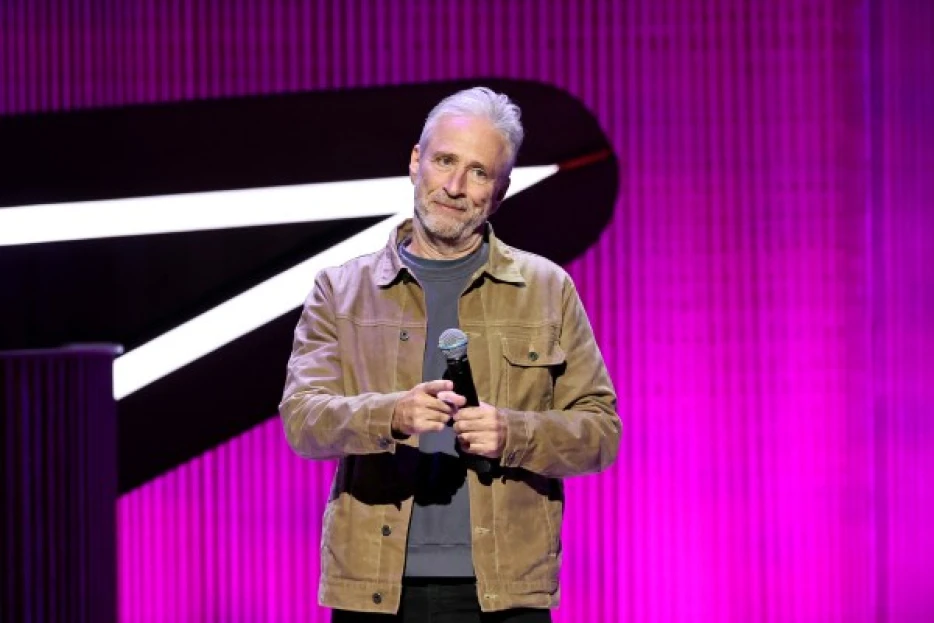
413, 164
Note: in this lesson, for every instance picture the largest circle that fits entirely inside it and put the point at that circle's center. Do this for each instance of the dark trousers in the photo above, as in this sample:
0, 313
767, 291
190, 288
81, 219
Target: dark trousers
446, 602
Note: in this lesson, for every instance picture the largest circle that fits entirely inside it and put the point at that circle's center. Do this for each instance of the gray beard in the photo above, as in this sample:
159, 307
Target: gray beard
442, 229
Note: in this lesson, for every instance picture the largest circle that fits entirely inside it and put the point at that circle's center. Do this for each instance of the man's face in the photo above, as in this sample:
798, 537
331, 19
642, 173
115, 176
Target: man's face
461, 177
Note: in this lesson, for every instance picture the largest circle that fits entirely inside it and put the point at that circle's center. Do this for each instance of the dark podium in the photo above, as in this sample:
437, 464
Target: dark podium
59, 484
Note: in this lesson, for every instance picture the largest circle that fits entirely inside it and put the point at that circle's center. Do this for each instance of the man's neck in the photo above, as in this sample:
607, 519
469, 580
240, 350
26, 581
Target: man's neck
426, 246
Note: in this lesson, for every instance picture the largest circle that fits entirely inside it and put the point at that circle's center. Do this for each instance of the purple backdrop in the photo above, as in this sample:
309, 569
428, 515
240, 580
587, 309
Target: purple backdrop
763, 295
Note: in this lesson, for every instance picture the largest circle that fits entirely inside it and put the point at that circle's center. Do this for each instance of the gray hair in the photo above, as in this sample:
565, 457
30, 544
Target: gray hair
480, 102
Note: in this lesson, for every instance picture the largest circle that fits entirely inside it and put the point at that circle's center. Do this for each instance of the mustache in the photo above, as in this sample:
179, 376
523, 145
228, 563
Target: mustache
461, 204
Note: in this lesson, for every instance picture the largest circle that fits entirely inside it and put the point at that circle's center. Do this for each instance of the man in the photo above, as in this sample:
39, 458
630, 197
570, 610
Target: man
413, 531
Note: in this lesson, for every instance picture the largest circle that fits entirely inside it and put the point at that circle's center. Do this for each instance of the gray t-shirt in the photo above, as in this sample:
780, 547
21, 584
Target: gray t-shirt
439, 532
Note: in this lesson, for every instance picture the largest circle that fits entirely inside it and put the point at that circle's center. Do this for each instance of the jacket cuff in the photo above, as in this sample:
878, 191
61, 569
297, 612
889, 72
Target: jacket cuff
379, 424
518, 437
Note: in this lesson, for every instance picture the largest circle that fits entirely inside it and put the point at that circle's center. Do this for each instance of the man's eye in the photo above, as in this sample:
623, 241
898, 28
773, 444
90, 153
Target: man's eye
480, 174
445, 160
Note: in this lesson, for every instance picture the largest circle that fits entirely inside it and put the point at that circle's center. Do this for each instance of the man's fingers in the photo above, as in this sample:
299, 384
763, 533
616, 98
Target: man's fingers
429, 426
427, 421
469, 438
433, 387
471, 413
439, 412
431, 403
452, 398
472, 426
475, 444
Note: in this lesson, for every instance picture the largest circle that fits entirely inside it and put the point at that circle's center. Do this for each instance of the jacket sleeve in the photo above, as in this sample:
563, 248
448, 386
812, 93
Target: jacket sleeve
320, 422
581, 434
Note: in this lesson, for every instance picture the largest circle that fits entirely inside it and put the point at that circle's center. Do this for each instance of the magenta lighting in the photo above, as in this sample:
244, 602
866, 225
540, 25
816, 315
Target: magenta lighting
762, 294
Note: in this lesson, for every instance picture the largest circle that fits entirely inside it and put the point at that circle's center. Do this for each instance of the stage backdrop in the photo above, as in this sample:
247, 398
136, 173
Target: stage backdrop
763, 294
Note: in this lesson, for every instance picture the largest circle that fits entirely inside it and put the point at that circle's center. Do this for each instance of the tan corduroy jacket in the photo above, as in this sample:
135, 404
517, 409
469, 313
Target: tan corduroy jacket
359, 346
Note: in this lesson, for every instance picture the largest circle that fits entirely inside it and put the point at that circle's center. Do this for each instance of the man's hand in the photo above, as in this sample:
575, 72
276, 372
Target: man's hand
481, 430
426, 407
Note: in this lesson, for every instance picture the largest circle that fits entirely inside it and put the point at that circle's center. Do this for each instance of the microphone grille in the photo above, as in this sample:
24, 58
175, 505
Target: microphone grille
453, 343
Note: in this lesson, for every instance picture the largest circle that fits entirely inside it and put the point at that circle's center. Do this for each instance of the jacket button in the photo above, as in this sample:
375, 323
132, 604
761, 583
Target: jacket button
377, 598
383, 443
533, 355
387, 530
404, 335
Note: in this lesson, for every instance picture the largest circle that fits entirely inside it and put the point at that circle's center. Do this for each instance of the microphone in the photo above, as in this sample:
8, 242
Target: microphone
453, 345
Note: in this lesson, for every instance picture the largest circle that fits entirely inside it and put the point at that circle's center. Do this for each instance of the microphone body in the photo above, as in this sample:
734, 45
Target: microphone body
453, 343
458, 371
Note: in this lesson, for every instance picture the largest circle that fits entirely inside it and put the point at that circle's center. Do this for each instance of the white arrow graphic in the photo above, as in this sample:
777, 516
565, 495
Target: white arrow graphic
264, 302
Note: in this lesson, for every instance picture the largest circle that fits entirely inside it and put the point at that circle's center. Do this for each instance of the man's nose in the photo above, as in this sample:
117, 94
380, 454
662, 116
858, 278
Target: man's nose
454, 185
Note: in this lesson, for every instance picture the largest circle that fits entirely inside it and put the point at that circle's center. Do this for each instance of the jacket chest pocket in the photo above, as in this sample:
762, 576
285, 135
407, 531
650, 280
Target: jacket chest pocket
532, 363
371, 354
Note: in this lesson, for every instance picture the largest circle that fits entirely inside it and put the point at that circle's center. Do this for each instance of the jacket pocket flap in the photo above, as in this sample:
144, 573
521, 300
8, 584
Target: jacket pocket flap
532, 352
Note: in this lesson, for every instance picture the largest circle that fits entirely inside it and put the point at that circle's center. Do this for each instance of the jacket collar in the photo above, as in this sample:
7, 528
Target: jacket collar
501, 264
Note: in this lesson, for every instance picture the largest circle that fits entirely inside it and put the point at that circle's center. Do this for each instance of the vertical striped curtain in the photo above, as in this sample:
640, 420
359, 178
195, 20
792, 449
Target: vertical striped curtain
762, 296
900, 292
